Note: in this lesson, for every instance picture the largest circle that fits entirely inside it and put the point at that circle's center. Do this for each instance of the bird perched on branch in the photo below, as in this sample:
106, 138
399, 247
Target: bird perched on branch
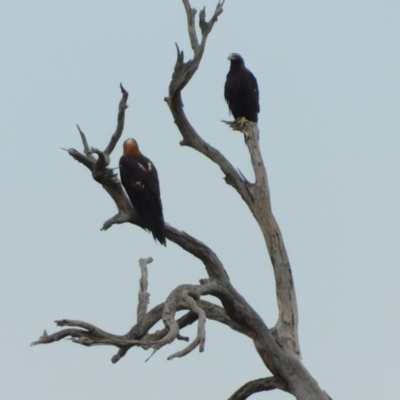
241, 91
140, 180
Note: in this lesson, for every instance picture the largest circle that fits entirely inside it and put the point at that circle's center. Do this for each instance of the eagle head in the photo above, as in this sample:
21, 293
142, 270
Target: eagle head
130, 147
235, 57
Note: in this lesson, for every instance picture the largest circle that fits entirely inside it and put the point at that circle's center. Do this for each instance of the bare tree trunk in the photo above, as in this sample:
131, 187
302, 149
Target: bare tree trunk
279, 346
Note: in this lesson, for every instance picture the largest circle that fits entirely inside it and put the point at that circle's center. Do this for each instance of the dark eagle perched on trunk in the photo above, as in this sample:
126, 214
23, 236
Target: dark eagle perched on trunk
140, 180
241, 91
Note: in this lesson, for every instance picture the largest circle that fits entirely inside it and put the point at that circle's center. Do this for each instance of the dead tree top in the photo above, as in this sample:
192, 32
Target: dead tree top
278, 347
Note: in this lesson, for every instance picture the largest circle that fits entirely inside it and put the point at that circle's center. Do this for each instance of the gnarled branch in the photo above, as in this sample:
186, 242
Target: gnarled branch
184, 71
256, 386
184, 297
256, 195
126, 212
278, 348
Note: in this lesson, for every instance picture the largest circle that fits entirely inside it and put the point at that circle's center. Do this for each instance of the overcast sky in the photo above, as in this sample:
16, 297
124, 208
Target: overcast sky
328, 74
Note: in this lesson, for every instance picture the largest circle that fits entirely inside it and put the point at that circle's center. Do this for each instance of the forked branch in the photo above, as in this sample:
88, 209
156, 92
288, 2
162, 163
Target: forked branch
126, 212
184, 297
256, 195
184, 71
278, 348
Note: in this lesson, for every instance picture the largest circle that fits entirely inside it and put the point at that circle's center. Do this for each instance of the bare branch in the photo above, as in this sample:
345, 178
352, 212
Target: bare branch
278, 348
183, 72
287, 325
86, 147
46, 339
106, 176
103, 160
192, 139
121, 120
256, 386
218, 314
144, 296
91, 335
126, 212
178, 297
119, 218
256, 196
190, 14
198, 249
183, 297
86, 161
205, 26
201, 332
88, 335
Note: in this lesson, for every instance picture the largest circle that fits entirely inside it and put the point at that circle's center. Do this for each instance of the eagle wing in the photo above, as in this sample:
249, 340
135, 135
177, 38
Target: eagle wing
242, 95
140, 180
250, 95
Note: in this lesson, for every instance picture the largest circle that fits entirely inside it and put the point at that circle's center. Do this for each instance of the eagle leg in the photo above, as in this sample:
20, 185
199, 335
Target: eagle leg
241, 120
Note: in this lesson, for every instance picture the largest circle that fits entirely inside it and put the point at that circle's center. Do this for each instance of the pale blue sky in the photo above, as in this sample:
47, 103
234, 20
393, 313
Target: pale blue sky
328, 74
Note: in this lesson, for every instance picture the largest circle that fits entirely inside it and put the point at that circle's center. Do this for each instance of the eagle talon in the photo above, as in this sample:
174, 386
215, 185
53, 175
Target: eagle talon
241, 121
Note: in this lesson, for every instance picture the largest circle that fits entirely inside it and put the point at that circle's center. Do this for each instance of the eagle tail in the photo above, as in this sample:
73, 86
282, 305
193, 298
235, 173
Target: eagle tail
160, 233
157, 229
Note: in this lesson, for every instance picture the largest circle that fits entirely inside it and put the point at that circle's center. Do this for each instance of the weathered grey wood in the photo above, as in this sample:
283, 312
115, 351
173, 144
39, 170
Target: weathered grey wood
256, 386
184, 297
287, 325
120, 122
144, 296
277, 347
201, 331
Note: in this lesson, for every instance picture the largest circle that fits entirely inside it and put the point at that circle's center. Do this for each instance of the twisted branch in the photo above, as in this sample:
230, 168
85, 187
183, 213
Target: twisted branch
201, 331
256, 195
184, 71
256, 386
278, 347
126, 212
184, 297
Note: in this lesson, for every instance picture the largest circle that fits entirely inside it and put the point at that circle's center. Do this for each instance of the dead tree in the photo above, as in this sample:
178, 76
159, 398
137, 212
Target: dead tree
278, 346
